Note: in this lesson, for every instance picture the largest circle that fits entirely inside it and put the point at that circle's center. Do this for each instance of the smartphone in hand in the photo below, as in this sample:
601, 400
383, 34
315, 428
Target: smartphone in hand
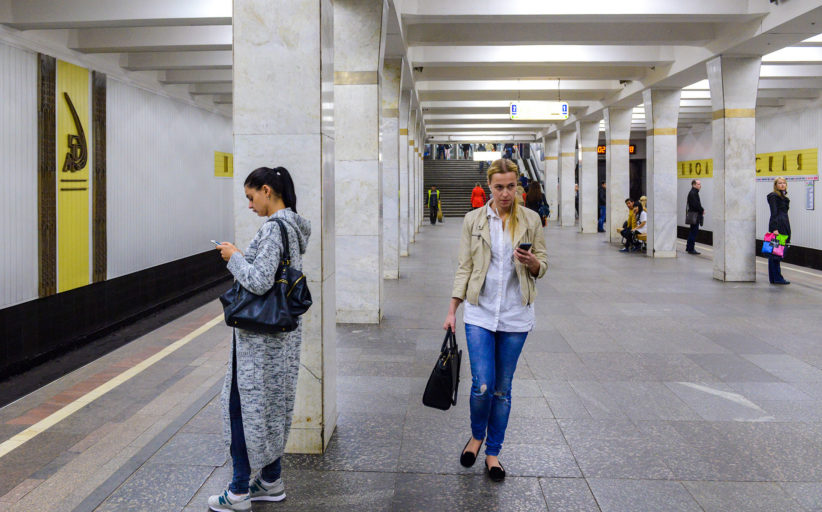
215, 242
525, 247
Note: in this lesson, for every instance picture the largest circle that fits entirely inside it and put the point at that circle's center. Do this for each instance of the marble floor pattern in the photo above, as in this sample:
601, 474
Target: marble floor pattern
645, 386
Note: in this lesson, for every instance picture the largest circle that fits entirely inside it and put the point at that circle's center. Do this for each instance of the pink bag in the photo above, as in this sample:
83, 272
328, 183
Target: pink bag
779, 250
769, 237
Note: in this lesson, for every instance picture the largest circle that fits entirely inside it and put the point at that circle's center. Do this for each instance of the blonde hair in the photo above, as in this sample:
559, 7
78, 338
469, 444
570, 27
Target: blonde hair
644, 201
776, 189
504, 166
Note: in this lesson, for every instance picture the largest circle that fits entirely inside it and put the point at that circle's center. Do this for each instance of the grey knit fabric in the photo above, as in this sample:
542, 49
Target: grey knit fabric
267, 364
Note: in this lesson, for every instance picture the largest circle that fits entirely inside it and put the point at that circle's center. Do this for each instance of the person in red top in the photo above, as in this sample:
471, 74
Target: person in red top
478, 197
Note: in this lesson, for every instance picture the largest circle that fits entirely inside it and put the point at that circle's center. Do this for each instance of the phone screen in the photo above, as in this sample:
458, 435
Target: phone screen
215, 242
525, 247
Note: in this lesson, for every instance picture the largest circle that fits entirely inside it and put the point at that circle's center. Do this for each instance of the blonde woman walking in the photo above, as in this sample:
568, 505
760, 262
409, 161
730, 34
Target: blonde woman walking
502, 254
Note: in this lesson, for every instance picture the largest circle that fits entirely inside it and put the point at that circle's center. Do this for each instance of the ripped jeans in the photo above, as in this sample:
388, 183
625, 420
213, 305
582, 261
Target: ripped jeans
494, 358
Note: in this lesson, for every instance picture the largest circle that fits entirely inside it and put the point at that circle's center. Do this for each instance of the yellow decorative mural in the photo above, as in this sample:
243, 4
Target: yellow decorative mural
73, 159
695, 169
223, 165
799, 162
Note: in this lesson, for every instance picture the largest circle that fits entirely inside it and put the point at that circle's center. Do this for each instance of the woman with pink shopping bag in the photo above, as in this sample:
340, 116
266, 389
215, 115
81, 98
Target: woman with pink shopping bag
778, 224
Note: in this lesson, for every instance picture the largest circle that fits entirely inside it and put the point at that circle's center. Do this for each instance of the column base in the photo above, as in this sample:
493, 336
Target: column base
358, 316
735, 277
403, 253
308, 440
391, 274
663, 254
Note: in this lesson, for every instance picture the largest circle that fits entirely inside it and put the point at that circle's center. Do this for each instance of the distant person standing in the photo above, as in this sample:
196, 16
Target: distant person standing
523, 181
601, 203
440, 151
466, 149
576, 200
778, 224
694, 215
478, 197
433, 204
448, 151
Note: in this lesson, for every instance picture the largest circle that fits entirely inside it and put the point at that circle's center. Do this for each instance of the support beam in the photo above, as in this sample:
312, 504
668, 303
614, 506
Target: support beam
212, 76
402, 149
389, 154
567, 162
661, 109
150, 39
588, 135
266, 90
617, 175
551, 150
150, 61
359, 37
733, 93
203, 89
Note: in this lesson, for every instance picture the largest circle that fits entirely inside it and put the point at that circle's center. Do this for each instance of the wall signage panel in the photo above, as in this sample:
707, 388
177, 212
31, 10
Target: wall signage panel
695, 169
223, 165
799, 162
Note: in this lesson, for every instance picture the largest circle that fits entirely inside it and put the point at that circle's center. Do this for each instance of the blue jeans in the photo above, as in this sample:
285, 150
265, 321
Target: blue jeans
239, 451
689, 245
601, 221
494, 358
774, 269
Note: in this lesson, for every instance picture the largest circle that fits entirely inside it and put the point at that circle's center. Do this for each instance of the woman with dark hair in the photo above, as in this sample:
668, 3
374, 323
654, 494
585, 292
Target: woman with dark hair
502, 254
534, 199
261, 382
778, 223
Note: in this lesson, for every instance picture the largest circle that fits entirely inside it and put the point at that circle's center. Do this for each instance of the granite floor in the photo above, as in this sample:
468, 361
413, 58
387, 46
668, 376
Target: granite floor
646, 385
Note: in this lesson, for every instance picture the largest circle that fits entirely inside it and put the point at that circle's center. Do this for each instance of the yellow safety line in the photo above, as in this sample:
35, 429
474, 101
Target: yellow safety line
58, 416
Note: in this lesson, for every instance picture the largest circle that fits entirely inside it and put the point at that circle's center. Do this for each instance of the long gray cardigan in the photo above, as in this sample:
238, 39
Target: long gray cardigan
267, 364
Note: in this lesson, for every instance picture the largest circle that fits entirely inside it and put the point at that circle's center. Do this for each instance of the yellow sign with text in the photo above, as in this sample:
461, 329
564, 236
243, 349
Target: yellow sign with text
73, 137
799, 162
223, 165
695, 169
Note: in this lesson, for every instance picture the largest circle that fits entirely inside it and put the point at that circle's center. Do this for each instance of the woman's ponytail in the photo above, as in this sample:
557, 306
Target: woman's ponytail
279, 179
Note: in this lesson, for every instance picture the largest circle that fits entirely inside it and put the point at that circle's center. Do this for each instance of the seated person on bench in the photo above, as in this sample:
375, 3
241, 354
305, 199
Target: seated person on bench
629, 225
640, 233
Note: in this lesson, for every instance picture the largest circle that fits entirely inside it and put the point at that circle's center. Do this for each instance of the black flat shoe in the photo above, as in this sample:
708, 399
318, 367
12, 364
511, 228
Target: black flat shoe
467, 459
496, 473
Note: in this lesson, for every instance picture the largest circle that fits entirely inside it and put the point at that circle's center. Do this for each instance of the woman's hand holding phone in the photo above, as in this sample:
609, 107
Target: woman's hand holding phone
226, 249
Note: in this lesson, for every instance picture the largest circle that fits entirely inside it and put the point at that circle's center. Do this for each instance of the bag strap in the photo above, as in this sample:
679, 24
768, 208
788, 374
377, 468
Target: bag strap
286, 256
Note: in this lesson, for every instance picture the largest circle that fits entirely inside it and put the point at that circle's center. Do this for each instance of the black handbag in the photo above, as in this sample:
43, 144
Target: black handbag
278, 309
441, 390
691, 217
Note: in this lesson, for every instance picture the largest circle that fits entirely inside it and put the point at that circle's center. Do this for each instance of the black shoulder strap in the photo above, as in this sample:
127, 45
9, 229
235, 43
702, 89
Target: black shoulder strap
284, 234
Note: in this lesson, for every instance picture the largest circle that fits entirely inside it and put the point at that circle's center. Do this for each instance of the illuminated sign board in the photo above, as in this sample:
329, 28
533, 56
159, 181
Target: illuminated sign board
539, 110
487, 156
631, 149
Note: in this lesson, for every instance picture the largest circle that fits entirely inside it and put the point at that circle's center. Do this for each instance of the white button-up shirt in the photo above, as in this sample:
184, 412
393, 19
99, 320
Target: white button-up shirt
499, 307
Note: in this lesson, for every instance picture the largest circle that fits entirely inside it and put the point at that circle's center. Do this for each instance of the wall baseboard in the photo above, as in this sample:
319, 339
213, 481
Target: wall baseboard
795, 254
34, 332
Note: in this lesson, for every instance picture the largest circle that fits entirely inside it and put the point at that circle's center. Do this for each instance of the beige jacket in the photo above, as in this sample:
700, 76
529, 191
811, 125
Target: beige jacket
475, 254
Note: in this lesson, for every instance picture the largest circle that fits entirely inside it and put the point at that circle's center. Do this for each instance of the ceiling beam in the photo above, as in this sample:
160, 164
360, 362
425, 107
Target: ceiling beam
151, 39
195, 76
508, 70
214, 88
518, 85
544, 54
150, 61
48, 14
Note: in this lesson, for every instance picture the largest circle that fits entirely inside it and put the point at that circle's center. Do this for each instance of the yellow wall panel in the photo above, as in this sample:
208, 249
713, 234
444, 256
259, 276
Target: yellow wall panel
223, 165
799, 162
695, 169
73, 159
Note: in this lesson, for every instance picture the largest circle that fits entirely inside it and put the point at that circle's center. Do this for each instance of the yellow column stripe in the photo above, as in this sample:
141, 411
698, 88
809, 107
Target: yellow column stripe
403, 131
567, 154
552, 158
410, 142
355, 78
587, 149
734, 113
661, 131
620, 142
58, 416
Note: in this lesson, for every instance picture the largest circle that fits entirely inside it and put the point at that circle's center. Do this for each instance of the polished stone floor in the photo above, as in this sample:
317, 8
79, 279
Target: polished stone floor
646, 386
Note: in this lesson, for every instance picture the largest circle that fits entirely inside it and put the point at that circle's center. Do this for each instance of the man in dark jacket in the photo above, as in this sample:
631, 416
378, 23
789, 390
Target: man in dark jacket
696, 213
601, 204
433, 203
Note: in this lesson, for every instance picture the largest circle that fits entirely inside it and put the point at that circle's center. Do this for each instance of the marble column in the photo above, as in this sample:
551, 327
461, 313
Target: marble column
412, 176
734, 82
551, 162
273, 113
389, 155
358, 40
405, 202
617, 169
418, 143
567, 161
588, 133
661, 114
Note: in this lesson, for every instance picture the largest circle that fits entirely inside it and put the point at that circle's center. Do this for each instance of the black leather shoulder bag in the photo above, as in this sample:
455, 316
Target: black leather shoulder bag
278, 309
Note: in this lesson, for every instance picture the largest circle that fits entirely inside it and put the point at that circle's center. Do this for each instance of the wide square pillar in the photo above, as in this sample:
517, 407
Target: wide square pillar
551, 163
273, 115
617, 175
567, 163
412, 176
402, 150
661, 116
390, 160
734, 82
588, 136
358, 40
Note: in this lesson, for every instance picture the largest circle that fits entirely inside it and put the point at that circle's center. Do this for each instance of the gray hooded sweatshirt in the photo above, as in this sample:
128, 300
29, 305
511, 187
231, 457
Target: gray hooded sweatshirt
267, 364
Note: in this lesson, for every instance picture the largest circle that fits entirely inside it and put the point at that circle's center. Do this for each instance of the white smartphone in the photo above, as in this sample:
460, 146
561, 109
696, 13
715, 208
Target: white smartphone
215, 242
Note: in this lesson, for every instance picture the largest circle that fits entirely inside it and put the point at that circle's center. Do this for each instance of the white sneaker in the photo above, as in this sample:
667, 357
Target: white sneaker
260, 490
229, 502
